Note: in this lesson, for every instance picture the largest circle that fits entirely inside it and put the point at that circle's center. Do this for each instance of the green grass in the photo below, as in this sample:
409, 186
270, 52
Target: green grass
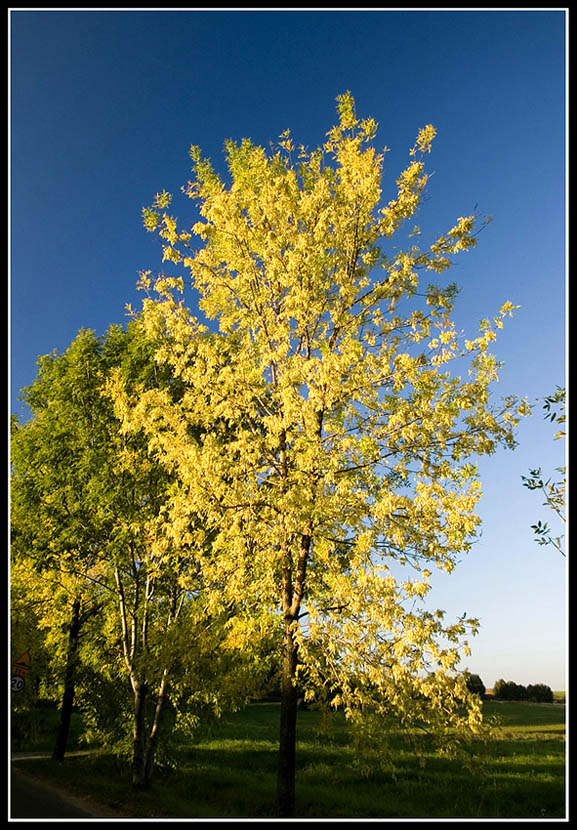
230, 771
35, 730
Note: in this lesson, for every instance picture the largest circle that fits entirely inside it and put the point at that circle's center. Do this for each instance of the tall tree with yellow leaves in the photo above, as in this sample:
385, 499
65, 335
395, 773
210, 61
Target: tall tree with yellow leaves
336, 441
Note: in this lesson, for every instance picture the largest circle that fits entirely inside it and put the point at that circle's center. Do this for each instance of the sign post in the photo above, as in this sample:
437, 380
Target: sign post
20, 669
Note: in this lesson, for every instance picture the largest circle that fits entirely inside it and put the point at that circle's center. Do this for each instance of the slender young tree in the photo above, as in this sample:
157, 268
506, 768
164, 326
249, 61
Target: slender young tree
336, 442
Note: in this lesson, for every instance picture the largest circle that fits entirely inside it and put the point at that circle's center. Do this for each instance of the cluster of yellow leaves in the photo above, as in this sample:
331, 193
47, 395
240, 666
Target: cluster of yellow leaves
385, 659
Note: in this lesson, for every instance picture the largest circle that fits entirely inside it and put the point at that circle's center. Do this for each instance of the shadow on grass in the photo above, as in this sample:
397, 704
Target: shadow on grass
230, 772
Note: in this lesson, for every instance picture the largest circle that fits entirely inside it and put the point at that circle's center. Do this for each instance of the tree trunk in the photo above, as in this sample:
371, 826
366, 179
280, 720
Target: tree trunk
69, 678
288, 726
139, 737
292, 597
155, 730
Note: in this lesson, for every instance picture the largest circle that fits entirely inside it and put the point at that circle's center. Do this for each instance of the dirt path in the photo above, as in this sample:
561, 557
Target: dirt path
32, 798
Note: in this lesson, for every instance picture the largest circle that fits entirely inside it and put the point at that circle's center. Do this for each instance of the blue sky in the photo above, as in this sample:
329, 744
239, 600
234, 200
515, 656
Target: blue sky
104, 106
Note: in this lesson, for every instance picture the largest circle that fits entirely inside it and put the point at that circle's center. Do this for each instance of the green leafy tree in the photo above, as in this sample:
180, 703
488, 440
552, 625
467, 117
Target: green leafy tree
553, 491
93, 545
84, 505
57, 528
347, 457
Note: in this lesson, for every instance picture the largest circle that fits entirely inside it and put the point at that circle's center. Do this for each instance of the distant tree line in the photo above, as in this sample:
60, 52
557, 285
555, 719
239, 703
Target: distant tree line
508, 690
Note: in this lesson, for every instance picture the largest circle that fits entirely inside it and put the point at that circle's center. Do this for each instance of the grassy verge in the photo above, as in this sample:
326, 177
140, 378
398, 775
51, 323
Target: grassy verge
35, 730
230, 769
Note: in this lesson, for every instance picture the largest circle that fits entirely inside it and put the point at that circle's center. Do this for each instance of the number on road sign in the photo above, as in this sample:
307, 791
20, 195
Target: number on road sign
17, 683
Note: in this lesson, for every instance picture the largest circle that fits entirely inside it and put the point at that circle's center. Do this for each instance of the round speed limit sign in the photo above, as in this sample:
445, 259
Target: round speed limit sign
17, 683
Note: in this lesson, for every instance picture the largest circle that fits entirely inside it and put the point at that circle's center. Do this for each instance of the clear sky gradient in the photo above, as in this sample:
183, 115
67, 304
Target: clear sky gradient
104, 106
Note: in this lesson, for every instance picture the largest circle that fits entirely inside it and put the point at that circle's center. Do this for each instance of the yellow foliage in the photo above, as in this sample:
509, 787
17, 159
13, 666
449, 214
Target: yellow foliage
328, 437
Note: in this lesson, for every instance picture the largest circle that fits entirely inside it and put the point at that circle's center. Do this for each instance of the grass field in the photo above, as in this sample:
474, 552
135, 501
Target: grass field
230, 772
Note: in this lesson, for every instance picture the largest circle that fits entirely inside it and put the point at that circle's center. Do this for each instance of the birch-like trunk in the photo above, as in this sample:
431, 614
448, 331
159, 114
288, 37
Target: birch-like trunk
154, 736
139, 736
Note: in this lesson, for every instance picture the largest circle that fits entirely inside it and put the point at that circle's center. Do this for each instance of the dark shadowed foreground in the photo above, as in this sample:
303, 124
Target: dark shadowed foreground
30, 798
